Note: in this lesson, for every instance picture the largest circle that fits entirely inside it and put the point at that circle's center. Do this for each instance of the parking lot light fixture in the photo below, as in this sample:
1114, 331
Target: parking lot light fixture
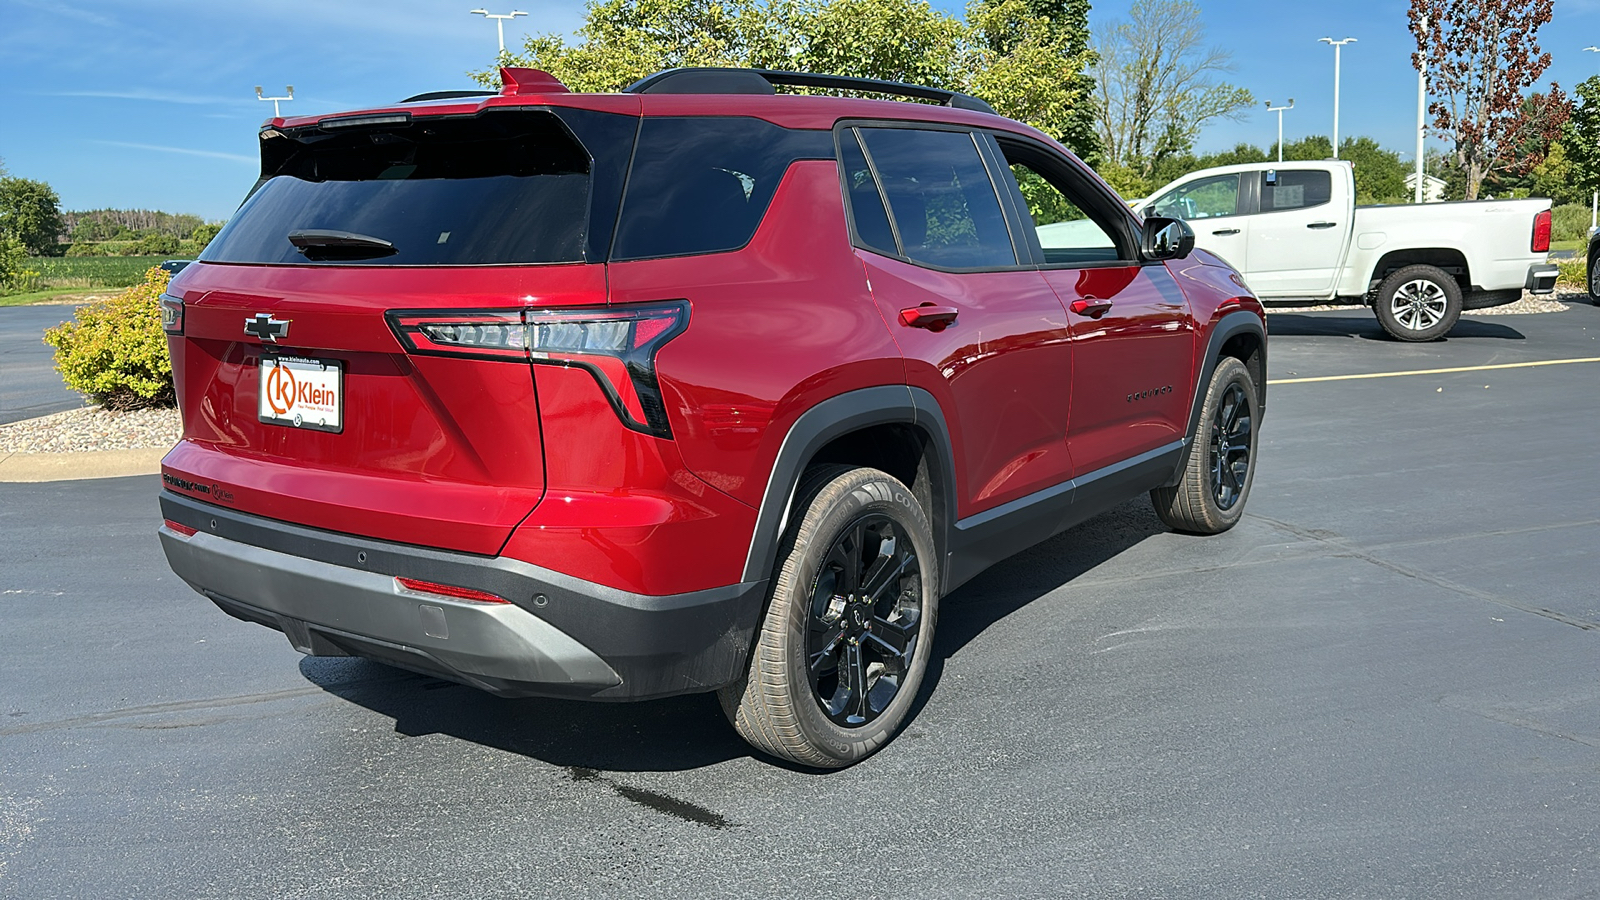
288, 90
499, 22
1337, 45
1280, 110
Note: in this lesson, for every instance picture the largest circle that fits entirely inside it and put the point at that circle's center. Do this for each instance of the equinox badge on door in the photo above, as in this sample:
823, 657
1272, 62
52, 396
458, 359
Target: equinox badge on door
266, 328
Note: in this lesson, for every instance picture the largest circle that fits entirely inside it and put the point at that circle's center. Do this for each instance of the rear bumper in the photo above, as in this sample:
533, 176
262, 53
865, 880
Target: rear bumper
1542, 278
336, 595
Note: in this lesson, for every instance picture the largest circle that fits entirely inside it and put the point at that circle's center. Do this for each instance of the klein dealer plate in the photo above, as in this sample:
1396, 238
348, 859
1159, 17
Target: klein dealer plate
302, 393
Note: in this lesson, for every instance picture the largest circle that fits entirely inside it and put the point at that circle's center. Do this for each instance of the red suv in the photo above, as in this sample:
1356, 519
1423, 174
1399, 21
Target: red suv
693, 387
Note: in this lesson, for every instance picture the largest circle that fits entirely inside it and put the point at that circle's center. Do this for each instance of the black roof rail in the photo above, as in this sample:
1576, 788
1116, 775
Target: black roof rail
710, 80
447, 95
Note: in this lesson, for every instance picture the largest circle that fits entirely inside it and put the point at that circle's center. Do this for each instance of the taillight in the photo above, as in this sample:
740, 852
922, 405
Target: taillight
416, 586
1541, 232
179, 527
616, 345
171, 314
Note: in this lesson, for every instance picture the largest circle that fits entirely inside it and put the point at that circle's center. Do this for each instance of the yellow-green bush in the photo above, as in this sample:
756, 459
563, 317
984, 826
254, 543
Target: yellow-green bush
116, 351
1574, 273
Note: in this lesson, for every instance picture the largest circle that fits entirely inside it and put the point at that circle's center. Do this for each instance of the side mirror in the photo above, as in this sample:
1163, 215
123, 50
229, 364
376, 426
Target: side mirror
1167, 238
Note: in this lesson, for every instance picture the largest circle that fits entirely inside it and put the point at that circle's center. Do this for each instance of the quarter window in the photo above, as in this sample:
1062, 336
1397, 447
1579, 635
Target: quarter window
945, 209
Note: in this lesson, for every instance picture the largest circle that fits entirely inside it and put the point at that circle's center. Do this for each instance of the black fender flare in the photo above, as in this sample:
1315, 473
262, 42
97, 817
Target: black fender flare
1240, 321
832, 418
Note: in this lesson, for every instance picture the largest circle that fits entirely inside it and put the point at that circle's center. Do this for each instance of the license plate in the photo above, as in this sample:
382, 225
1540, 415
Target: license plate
302, 393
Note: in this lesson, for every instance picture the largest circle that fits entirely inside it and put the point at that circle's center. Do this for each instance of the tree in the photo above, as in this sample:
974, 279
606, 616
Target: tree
1026, 57
1482, 55
1156, 84
30, 211
1580, 141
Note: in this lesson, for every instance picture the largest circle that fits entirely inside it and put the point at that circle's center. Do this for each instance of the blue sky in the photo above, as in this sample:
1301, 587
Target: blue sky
151, 104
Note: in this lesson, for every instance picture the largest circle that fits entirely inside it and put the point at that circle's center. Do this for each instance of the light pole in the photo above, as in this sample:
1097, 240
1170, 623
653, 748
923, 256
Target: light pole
499, 22
1280, 110
289, 89
1336, 47
1422, 111
1594, 208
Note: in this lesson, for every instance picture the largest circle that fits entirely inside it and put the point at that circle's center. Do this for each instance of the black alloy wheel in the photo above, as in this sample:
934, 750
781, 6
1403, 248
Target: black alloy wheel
866, 612
1230, 447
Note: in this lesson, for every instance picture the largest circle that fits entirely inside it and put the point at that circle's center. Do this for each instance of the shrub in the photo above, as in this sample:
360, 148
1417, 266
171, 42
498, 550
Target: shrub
14, 272
116, 351
1574, 273
1569, 222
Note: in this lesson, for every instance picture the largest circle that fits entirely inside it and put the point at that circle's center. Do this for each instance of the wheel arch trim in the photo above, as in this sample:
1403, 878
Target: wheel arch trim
831, 419
1228, 327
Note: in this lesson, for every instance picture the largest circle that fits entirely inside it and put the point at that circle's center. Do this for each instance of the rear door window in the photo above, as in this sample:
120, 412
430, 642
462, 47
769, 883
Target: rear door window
502, 187
946, 213
1295, 189
702, 184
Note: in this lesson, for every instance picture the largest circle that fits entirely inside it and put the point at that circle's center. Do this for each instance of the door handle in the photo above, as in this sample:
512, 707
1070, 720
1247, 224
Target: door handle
1224, 232
929, 316
1093, 307
1320, 225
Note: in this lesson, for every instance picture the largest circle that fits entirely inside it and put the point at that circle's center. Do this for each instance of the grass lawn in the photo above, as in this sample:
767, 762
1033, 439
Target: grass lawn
1567, 245
58, 295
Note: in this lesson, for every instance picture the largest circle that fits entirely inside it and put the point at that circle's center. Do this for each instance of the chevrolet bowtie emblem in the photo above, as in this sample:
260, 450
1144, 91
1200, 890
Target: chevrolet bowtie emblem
266, 328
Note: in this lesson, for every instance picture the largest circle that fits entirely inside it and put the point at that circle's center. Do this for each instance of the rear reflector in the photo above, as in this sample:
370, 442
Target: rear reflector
447, 590
1541, 232
179, 527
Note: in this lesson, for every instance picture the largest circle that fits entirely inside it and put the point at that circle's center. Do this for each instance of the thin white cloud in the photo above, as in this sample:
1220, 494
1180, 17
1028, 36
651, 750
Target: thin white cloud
187, 151
153, 96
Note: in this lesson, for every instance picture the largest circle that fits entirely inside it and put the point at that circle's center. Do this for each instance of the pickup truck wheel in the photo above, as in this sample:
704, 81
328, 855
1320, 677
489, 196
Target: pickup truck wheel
1209, 498
1594, 278
845, 642
1418, 303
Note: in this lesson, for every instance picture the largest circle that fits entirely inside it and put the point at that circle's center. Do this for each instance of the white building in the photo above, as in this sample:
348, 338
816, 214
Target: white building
1432, 188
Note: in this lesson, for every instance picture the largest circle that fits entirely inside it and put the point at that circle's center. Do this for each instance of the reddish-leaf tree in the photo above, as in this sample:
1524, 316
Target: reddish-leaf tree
1482, 55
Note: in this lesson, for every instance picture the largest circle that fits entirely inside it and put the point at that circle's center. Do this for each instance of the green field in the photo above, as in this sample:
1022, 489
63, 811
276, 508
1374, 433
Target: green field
86, 271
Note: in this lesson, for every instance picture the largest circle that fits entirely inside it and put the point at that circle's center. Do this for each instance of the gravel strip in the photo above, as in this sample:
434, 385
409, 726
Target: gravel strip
92, 428
1528, 305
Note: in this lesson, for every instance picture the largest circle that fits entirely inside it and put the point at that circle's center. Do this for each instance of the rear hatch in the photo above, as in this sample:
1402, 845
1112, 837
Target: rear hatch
300, 401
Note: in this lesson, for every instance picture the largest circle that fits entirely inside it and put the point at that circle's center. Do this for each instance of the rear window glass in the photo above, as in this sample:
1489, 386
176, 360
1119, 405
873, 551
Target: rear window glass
701, 184
1295, 189
503, 187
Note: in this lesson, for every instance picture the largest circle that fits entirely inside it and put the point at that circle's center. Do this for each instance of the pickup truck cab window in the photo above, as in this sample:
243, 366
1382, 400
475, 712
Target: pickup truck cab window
1295, 189
1205, 198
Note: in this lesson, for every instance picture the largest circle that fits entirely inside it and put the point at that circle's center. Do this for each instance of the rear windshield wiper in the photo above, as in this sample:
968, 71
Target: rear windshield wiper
317, 243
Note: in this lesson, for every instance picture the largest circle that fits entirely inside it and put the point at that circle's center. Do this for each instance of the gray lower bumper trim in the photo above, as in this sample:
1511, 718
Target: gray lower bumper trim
479, 643
1542, 278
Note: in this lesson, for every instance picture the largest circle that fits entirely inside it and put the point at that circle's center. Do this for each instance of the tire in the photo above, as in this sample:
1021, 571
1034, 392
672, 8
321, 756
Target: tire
1594, 278
1418, 303
851, 526
1210, 496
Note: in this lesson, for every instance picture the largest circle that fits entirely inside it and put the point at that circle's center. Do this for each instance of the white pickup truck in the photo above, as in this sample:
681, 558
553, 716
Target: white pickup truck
1293, 230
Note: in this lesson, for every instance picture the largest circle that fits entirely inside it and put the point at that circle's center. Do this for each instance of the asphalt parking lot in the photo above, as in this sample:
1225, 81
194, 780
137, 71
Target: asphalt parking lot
1383, 683
29, 383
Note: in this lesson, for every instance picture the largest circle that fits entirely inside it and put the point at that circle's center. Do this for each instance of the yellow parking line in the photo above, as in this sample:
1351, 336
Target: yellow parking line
1521, 365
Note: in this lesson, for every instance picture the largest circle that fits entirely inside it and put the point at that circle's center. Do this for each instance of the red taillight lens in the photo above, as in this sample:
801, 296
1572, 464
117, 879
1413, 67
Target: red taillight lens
447, 590
171, 314
617, 345
1541, 232
179, 527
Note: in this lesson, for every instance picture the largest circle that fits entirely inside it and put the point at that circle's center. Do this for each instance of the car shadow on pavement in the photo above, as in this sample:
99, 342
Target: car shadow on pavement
1365, 327
690, 732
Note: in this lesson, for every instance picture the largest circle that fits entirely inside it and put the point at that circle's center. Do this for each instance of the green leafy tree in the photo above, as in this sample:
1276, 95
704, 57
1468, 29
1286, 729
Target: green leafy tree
1580, 141
30, 211
1026, 57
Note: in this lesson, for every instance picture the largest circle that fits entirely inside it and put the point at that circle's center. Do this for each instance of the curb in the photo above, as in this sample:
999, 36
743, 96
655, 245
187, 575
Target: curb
36, 467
